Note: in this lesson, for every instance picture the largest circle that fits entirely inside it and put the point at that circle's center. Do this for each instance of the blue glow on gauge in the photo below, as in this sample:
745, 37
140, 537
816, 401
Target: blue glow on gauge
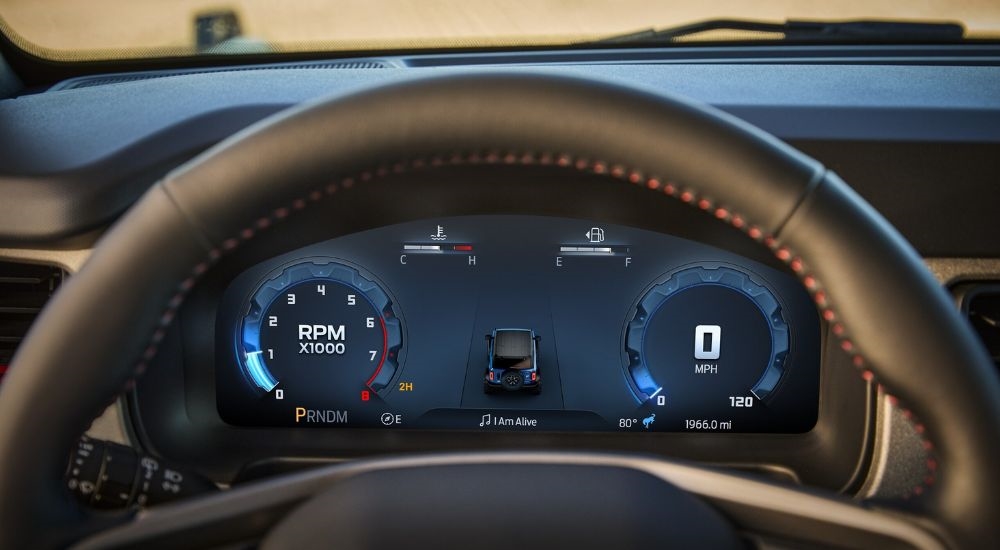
258, 372
644, 381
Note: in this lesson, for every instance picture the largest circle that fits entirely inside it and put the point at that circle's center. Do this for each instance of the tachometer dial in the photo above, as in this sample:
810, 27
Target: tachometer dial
319, 331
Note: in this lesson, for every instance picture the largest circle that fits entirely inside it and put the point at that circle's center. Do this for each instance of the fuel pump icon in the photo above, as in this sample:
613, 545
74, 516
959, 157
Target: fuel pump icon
595, 235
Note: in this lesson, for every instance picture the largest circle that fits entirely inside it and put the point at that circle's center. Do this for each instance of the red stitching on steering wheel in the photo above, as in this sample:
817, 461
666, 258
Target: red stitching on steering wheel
653, 182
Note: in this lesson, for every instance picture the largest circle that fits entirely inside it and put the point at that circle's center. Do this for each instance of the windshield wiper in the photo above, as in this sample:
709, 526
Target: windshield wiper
803, 31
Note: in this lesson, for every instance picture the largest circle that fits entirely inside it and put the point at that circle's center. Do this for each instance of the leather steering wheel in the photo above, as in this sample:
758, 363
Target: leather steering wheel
893, 319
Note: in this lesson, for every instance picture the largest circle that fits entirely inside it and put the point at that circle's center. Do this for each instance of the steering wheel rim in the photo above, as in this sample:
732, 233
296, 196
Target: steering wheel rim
898, 327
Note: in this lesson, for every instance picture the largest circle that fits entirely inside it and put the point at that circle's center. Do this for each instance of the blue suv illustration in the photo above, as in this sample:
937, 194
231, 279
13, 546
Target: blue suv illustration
513, 361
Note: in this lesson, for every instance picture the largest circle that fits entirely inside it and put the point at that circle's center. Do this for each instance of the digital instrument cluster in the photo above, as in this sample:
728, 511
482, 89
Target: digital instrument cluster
517, 323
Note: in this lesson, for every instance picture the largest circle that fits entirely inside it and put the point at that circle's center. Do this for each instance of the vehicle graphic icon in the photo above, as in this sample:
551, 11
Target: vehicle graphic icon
512, 361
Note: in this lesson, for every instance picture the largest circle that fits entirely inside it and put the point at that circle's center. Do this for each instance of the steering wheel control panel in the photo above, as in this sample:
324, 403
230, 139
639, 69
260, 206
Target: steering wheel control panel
517, 323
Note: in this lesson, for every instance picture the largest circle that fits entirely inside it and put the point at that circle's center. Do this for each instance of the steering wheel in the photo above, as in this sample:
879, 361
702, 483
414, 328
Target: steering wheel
893, 319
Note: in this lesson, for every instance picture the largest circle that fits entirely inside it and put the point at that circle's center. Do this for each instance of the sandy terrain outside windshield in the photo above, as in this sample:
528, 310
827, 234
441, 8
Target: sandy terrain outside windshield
95, 29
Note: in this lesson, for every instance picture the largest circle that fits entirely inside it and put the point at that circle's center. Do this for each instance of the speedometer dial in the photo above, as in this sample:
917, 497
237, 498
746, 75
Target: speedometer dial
318, 333
707, 339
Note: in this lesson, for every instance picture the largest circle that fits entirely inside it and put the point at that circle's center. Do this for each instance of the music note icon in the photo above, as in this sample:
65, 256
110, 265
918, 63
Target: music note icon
485, 421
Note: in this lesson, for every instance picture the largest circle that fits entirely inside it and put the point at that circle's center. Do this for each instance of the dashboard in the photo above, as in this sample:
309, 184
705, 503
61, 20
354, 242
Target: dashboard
602, 327
517, 323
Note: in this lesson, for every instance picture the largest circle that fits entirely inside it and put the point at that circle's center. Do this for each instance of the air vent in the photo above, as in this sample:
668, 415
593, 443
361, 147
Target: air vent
24, 290
981, 304
119, 78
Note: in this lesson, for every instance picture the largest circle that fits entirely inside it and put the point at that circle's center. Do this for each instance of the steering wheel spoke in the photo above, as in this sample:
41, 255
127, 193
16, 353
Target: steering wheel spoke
381, 503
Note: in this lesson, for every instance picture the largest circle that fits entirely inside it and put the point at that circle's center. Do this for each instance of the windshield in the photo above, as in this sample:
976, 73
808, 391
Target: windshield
75, 30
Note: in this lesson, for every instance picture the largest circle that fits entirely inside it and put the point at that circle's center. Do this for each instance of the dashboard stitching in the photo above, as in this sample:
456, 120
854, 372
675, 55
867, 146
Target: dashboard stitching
617, 171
